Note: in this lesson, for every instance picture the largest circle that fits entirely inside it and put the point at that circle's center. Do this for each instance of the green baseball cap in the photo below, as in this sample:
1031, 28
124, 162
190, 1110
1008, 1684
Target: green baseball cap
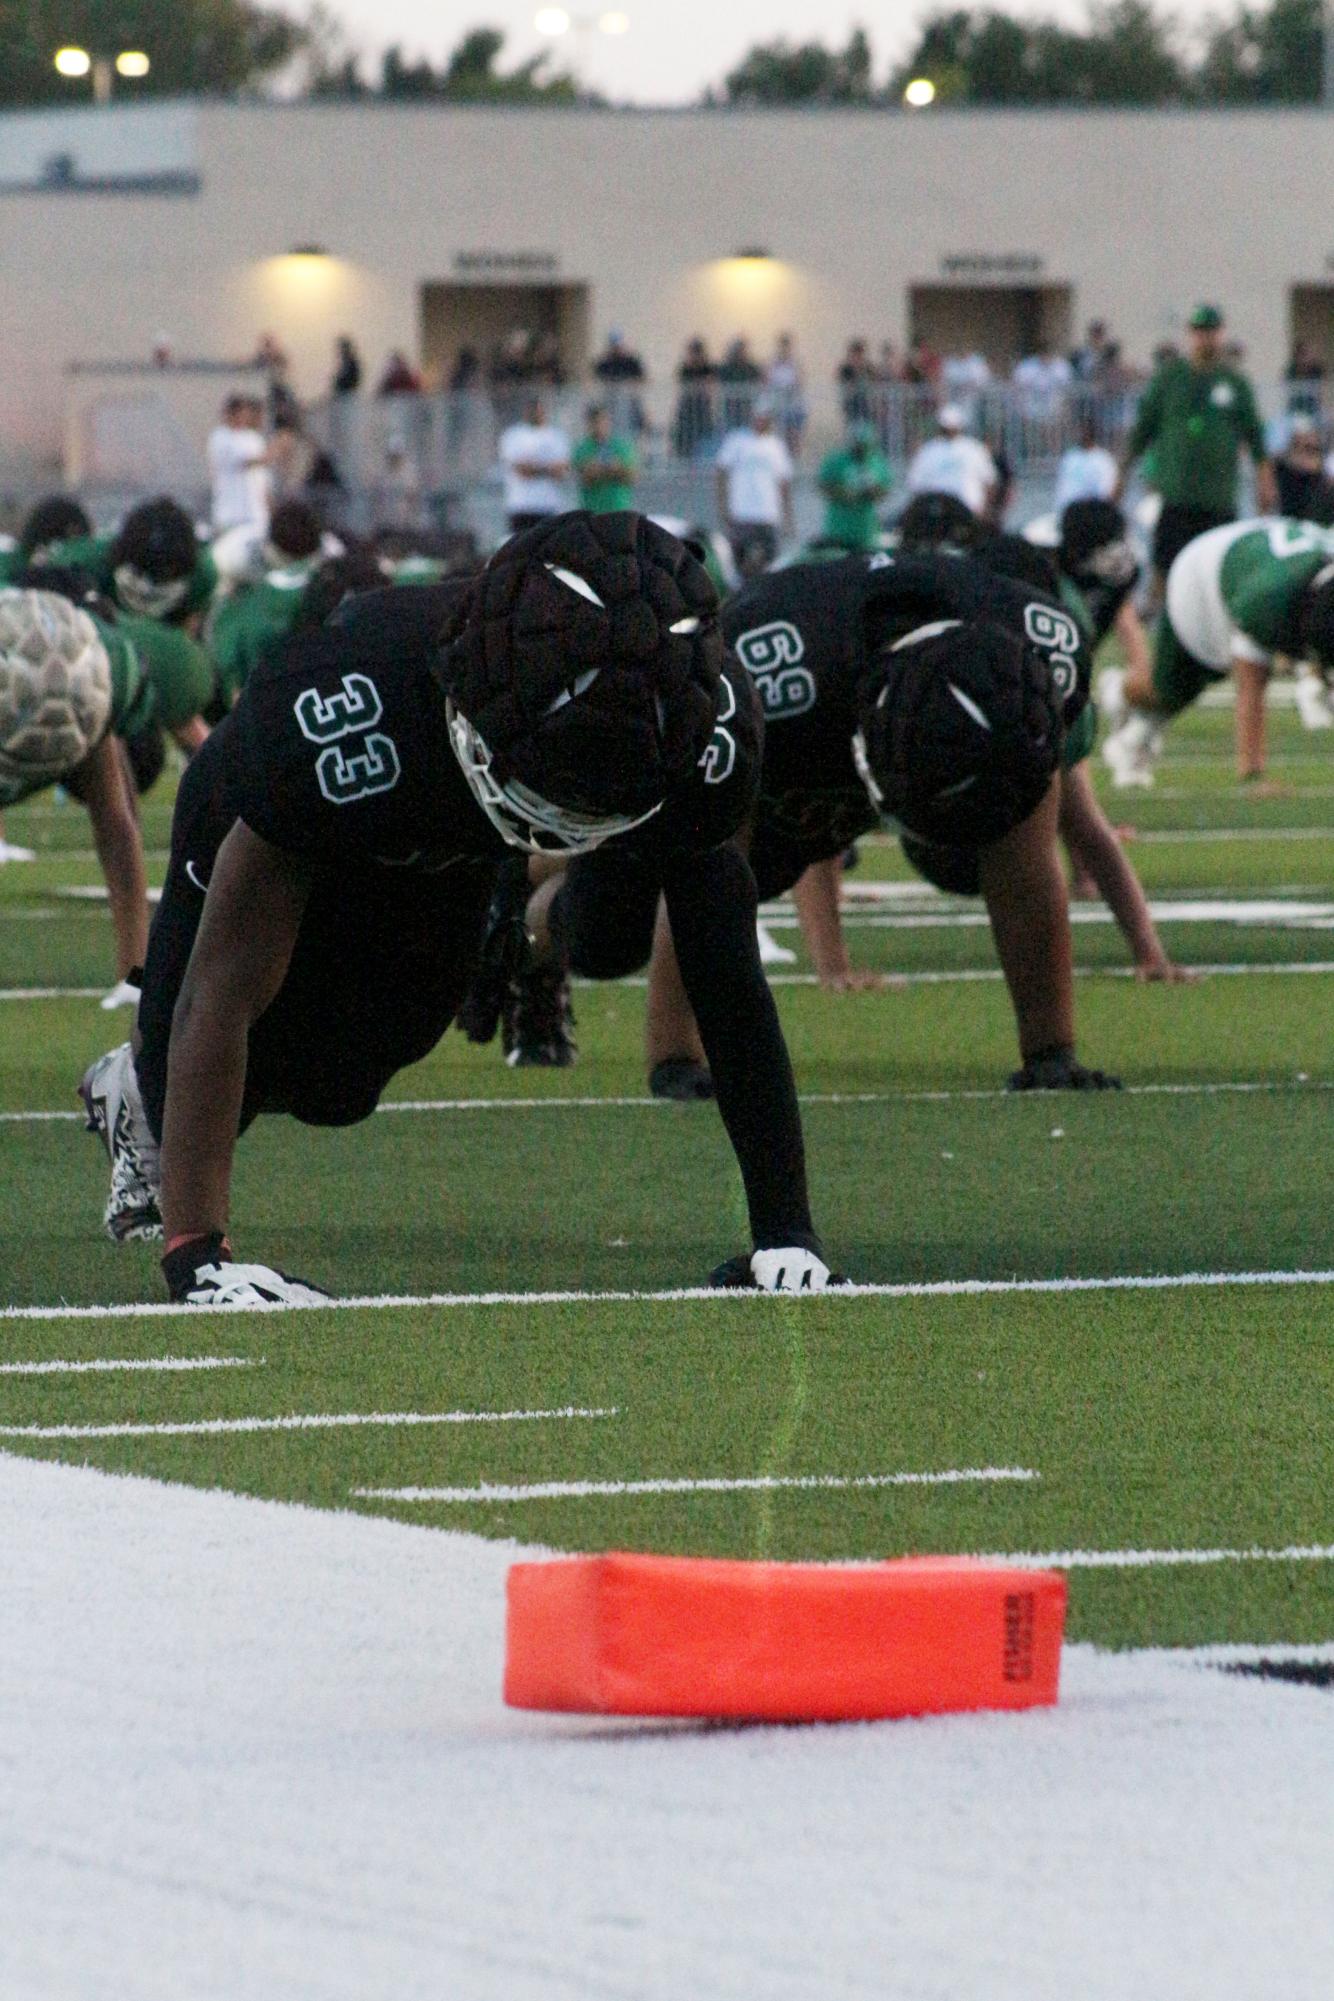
1206, 319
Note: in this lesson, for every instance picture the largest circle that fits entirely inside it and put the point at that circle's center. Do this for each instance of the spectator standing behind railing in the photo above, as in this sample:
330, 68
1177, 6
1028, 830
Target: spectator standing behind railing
1195, 417
399, 378
1087, 470
856, 379
854, 479
238, 467
1042, 380
622, 374
754, 477
786, 391
1304, 490
954, 463
605, 465
347, 368
693, 424
535, 459
739, 377
1305, 377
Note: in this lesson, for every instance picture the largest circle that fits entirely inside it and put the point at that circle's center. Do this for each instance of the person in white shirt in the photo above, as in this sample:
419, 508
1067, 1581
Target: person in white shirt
1087, 471
754, 473
1042, 380
954, 463
963, 377
238, 468
535, 459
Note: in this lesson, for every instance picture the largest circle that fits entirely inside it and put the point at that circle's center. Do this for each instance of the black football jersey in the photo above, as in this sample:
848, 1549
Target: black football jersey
806, 635
340, 748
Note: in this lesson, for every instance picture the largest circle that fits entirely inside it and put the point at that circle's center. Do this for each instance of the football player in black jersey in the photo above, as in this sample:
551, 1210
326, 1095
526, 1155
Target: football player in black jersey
921, 689
335, 846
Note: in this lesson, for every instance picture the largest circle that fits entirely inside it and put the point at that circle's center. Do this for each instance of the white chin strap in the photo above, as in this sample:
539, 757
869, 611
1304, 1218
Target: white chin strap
522, 817
141, 594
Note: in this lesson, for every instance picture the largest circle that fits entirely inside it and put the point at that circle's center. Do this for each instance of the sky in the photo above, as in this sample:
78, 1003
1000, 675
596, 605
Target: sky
674, 47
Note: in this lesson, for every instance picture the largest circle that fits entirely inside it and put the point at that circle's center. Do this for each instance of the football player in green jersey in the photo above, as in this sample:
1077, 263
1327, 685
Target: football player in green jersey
249, 621
68, 686
162, 582
1238, 599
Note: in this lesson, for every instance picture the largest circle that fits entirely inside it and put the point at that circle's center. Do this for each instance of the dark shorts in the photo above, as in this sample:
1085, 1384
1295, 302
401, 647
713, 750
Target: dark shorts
1178, 677
1178, 525
383, 959
603, 914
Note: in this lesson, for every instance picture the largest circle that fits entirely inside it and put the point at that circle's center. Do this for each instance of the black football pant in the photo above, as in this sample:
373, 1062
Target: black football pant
382, 962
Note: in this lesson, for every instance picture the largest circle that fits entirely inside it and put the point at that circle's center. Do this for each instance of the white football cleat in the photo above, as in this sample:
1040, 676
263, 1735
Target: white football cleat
1111, 697
1131, 752
771, 952
227, 1284
1313, 700
789, 1271
110, 1093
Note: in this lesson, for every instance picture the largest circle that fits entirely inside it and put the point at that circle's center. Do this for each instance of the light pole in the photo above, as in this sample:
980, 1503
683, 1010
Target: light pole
556, 21
75, 62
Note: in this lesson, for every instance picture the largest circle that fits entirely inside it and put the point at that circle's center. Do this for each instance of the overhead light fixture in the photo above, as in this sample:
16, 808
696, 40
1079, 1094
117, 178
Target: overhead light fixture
73, 62
753, 255
919, 93
132, 63
308, 250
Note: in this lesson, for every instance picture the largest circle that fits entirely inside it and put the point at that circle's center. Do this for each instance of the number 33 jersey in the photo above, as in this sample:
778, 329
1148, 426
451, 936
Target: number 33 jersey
339, 748
806, 636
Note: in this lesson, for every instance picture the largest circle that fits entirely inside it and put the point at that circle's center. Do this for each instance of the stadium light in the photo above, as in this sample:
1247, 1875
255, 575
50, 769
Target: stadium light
73, 62
919, 93
132, 63
552, 21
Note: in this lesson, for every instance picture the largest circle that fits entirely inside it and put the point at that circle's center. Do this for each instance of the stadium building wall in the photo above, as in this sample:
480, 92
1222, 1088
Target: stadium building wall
120, 224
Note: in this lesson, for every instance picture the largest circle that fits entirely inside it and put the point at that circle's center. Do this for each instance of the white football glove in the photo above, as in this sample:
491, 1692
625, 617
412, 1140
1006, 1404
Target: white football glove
123, 994
226, 1284
788, 1271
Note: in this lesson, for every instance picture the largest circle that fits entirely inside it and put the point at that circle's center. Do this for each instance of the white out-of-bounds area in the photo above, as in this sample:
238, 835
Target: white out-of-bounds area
254, 1751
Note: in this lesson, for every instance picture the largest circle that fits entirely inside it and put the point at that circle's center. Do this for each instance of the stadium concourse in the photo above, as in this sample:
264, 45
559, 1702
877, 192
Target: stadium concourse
250, 1703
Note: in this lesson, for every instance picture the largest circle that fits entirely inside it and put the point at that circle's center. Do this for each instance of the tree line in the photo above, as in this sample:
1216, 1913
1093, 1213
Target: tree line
1127, 53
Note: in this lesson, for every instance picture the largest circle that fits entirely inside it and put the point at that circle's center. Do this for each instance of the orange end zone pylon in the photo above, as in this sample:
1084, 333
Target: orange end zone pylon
784, 1642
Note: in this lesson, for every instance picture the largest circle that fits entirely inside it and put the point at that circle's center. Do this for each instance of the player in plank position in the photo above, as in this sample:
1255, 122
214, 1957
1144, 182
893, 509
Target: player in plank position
1238, 598
922, 689
336, 842
68, 686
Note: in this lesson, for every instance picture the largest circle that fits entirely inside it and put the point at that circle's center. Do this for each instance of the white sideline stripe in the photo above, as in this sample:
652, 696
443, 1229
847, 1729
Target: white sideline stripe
1152, 1559
334, 1421
959, 976
949, 1288
580, 1490
159, 1364
631, 1103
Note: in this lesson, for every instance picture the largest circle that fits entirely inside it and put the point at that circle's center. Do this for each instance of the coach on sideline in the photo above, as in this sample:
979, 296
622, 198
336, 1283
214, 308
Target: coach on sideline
1195, 414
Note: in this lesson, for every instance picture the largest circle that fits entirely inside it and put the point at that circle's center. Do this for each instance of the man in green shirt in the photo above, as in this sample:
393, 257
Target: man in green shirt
1195, 416
854, 479
605, 466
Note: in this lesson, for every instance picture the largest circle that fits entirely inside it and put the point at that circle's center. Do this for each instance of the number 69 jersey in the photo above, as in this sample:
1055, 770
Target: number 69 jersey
806, 636
339, 748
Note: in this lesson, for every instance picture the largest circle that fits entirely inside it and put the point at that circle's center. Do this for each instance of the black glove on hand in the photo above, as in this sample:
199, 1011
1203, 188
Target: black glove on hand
200, 1272
1056, 1070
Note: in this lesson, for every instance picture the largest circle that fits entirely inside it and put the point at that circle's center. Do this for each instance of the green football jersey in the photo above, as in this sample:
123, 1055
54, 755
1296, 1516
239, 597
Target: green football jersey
178, 670
93, 554
246, 625
1264, 574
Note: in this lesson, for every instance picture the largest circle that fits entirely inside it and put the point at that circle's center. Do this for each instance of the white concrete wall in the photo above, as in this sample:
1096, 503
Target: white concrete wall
1140, 213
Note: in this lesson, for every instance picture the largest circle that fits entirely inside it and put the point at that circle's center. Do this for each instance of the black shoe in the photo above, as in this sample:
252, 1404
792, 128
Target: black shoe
538, 1020
679, 1078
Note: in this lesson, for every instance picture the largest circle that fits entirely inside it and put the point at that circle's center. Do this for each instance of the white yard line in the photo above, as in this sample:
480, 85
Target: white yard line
581, 1490
958, 976
334, 1421
158, 1365
1154, 1559
1241, 1087
954, 1288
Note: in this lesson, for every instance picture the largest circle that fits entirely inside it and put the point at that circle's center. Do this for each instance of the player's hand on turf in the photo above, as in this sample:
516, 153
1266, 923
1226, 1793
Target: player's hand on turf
860, 980
1167, 973
201, 1272
789, 1270
1057, 1070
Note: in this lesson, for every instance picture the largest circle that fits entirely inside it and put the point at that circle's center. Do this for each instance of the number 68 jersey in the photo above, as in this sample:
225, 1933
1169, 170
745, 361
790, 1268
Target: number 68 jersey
806, 636
339, 748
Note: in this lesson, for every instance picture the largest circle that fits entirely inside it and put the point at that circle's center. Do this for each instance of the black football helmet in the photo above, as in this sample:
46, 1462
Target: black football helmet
959, 733
53, 520
1095, 547
153, 558
1316, 618
583, 678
